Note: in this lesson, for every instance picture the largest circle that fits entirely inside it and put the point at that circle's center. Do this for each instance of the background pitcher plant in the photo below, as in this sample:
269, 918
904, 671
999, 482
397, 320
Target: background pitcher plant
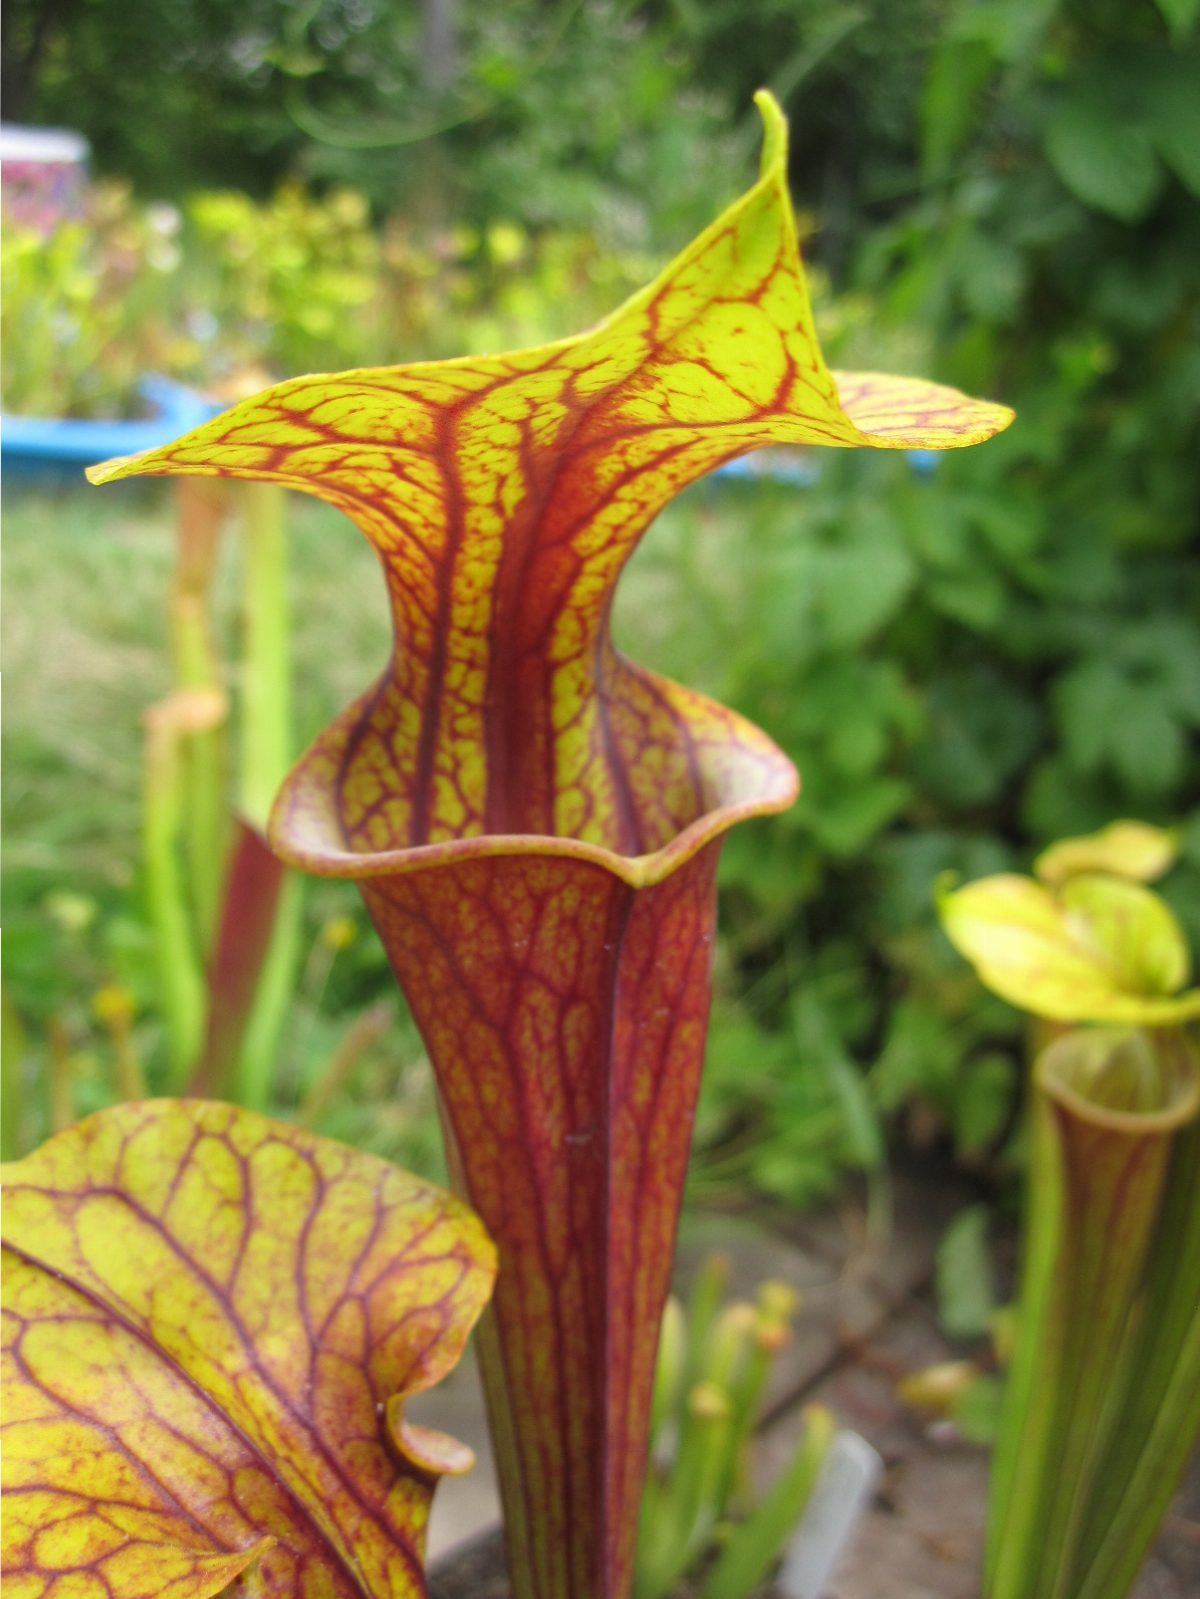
1102, 1409
535, 820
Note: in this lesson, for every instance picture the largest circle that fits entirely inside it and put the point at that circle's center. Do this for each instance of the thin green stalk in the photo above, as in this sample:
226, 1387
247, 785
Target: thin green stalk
266, 749
716, 1346
757, 1542
654, 1491
114, 1008
359, 1037
197, 668
265, 745
770, 1334
723, 1359
203, 757
685, 1511
61, 1085
258, 1059
668, 1370
699, 1475
730, 1344
704, 1301
12, 1081
181, 986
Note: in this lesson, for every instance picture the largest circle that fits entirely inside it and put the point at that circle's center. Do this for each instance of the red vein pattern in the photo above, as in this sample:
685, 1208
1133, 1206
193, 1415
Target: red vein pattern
567, 1013
535, 819
211, 1323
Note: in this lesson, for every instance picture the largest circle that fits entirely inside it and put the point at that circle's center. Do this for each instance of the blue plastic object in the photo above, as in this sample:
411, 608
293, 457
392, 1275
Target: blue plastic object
41, 446
32, 446
782, 465
775, 465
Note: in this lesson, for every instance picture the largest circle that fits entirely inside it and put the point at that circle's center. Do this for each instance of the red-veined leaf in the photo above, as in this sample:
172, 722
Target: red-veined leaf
211, 1324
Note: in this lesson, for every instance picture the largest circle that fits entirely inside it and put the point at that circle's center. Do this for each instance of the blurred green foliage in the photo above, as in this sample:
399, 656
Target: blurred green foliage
575, 113
88, 650
703, 1529
229, 291
1011, 649
966, 662
536, 108
84, 308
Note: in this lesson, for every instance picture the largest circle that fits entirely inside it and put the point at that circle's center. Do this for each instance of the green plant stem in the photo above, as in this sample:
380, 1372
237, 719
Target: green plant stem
265, 753
704, 1356
12, 1080
258, 1058
668, 1370
767, 1339
131, 1081
722, 1359
265, 746
1097, 1182
686, 1511
181, 988
729, 1345
695, 1509
200, 511
704, 1301
62, 1088
359, 1037
757, 1542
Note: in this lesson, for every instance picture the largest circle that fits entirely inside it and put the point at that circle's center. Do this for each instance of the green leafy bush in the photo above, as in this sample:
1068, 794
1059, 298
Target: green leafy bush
971, 663
86, 308
229, 291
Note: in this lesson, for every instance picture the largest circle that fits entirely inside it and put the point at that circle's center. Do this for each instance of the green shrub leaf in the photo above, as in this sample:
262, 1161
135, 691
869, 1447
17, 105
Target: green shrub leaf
1107, 163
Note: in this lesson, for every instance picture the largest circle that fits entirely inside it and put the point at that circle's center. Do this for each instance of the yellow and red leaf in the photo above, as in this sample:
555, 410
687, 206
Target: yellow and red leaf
211, 1323
505, 495
535, 819
1099, 949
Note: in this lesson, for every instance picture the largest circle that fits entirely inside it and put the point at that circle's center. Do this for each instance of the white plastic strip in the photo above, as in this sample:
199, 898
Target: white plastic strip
842, 1495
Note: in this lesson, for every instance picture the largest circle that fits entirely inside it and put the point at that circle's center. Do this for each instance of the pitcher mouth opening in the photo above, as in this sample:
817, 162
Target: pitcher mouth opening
307, 832
1066, 1072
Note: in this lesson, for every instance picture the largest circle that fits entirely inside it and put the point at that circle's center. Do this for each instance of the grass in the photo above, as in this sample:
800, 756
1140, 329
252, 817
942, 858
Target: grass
86, 651
88, 575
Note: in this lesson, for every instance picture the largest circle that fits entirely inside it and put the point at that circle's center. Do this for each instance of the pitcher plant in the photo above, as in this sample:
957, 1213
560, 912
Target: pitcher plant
535, 820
